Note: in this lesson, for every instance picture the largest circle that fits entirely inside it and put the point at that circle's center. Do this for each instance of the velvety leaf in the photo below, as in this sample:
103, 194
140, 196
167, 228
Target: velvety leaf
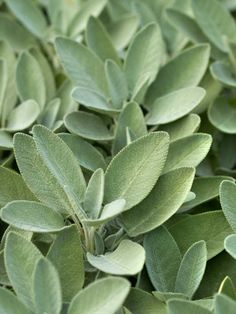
222, 115
83, 67
37, 176
60, 160
197, 228
99, 41
13, 187
109, 212
32, 216
34, 20
94, 194
88, 156
189, 67
30, 80
117, 83
162, 264
132, 166
174, 106
214, 21
103, 296
131, 117
93, 100
123, 29
188, 151
140, 302
47, 290
144, 57
9, 303
224, 304
223, 73
16, 35
160, 204
88, 125
23, 116
88, 8
227, 286
186, 307
230, 245
127, 259
205, 189
66, 254
191, 269
182, 127
228, 202
47, 72
21, 257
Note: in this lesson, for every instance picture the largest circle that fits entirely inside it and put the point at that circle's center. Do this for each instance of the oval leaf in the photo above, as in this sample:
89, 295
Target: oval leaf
134, 171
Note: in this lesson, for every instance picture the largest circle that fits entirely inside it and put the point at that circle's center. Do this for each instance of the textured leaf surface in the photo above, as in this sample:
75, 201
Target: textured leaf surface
160, 204
134, 171
103, 296
127, 259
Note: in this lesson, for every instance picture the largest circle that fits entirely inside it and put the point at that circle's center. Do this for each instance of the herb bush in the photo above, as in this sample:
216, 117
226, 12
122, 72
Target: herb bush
118, 156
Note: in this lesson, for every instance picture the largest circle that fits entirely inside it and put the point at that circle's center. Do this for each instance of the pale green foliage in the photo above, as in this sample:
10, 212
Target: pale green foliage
117, 156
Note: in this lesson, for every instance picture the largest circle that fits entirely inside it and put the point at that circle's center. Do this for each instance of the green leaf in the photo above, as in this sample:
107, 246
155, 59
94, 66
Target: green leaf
117, 83
131, 117
34, 20
99, 41
61, 162
16, 35
189, 67
144, 56
6, 140
174, 106
227, 286
160, 204
30, 80
23, 116
10, 94
127, 259
222, 115
230, 245
214, 21
37, 176
47, 290
94, 194
191, 269
93, 100
88, 156
162, 264
188, 151
228, 202
9, 304
47, 72
88, 125
66, 254
205, 189
103, 296
224, 304
186, 307
197, 229
182, 127
140, 302
88, 8
109, 212
21, 257
13, 187
83, 67
134, 171
222, 72
32, 216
